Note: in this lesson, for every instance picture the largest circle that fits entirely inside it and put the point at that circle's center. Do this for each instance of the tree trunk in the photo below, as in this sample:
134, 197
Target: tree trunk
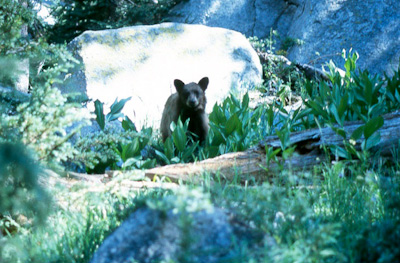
22, 83
252, 163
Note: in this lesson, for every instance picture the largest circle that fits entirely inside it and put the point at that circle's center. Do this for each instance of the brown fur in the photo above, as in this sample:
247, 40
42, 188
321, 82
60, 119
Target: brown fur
188, 102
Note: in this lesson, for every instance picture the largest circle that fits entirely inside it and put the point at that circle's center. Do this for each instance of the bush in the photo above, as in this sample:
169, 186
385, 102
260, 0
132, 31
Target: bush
42, 125
20, 193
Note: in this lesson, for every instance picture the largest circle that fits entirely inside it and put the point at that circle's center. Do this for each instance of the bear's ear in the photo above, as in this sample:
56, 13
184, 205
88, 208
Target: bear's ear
179, 85
203, 83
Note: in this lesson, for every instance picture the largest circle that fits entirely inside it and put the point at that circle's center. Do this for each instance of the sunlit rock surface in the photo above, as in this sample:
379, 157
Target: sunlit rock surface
142, 62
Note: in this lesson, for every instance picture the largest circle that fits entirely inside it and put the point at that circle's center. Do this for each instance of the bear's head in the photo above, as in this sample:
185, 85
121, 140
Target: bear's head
192, 95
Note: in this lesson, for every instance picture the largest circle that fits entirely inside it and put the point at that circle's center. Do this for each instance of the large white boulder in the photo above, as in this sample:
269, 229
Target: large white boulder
142, 62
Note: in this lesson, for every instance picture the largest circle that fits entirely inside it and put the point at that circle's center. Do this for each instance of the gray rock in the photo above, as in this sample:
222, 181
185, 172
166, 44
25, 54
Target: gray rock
142, 62
151, 236
372, 28
250, 17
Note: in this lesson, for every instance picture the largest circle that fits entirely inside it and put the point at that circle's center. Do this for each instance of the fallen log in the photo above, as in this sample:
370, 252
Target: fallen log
252, 163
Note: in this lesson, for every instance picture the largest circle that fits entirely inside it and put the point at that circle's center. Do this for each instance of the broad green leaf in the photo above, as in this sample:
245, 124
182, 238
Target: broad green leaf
189, 151
99, 114
130, 162
233, 124
340, 152
372, 141
284, 137
356, 135
217, 115
372, 126
343, 106
318, 110
335, 114
146, 164
179, 136
131, 149
114, 117
235, 101
128, 125
162, 156
169, 148
117, 106
245, 101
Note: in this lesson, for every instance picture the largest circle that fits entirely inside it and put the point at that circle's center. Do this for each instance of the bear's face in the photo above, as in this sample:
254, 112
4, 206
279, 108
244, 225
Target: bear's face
192, 95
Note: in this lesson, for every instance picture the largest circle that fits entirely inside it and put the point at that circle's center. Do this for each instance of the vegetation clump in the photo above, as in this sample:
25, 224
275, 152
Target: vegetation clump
352, 215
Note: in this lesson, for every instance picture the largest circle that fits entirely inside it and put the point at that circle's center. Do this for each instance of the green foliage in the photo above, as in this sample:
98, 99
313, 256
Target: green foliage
114, 114
13, 16
114, 147
20, 192
234, 126
74, 17
355, 96
40, 121
9, 71
42, 125
180, 147
69, 236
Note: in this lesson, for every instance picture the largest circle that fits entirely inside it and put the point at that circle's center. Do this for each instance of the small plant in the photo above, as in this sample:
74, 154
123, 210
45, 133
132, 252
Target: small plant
234, 126
180, 146
118, 145
355, 96
114, 114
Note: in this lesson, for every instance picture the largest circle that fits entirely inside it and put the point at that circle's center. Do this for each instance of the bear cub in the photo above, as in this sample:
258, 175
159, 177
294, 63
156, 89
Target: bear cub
188, 102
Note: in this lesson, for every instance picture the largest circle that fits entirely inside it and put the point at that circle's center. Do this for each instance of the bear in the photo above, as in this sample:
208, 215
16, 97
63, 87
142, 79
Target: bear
188, 102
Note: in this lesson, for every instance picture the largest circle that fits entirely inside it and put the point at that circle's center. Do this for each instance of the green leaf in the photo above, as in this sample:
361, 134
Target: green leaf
162, 156
339, 131
98, 110
131, 149
343, 106
233, 124
335, 114
372, 126
245, 101
114, 117
116, 108
318, 110
371, 141
356, 135
339, 151
217, 115
169, 148
130, 162
128, 125
179, 136
189, 152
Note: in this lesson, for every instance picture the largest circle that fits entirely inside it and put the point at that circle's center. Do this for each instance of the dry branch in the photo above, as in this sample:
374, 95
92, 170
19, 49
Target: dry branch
252, 162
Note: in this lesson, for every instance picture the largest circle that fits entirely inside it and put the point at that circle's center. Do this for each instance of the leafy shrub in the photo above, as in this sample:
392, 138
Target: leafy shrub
355, 96
117, 145
42, 125
234, 126
20, 192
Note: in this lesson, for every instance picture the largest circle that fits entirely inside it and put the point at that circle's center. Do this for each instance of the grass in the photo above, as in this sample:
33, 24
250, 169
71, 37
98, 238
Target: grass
343, 218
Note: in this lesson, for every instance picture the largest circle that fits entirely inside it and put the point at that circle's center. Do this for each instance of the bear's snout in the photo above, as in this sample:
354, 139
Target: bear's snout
192, 102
